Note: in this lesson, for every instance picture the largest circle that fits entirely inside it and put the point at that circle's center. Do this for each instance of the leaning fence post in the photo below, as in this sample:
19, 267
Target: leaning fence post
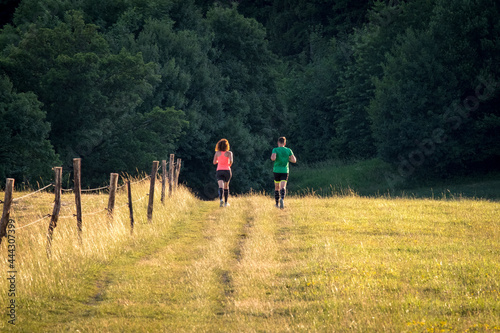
177, 172
57, 208
7, 202
131, 210
113, 184
152, 190
163, 179
78, 194
171, 174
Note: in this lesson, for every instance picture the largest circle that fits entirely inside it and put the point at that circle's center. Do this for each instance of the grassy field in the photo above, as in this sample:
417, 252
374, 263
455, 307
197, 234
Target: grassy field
336, 264
375, 178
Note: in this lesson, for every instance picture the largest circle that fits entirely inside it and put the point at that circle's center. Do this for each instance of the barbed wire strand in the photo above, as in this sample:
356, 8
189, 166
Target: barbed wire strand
27, 225
95, 213
140, 199
125, 205
67, 216
95, 189
29, 194
136, 182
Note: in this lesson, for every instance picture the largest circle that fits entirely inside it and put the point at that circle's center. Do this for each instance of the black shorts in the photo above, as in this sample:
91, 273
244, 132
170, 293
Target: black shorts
280, 177
224, 175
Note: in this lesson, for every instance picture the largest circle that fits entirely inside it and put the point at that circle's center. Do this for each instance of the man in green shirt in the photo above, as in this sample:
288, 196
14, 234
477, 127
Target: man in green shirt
281, 156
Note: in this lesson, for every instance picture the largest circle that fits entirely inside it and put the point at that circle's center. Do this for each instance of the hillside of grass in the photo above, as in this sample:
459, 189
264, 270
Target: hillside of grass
372, 178
337, 264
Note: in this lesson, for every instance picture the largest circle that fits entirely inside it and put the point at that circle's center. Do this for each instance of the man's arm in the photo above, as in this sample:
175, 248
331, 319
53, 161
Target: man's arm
273, 157
292, 159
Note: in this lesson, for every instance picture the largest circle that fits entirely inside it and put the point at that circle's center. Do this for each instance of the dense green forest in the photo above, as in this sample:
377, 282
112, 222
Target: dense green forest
121, 83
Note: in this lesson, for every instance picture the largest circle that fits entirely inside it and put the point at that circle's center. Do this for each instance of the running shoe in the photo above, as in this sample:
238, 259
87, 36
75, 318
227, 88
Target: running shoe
282, 204
221, 203
226, 204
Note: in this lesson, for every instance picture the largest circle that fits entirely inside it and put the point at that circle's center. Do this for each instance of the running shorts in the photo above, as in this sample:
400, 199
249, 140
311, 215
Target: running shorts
280, 177
224, 175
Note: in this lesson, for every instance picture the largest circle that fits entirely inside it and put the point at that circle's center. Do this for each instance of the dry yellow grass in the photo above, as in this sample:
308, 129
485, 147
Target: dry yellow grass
45, 287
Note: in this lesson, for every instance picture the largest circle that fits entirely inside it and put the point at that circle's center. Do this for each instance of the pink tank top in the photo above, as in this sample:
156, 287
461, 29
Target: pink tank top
223, 162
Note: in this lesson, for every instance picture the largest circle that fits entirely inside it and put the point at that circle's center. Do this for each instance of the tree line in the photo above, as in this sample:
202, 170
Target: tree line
121, 83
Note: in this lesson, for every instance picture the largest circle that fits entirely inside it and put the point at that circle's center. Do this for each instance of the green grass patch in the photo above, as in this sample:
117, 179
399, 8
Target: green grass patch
339, 178
370, 178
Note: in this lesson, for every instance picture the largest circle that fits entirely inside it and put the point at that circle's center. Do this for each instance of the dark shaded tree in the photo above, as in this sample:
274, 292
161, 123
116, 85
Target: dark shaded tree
250, 114
25, 151
366, 51
437, 97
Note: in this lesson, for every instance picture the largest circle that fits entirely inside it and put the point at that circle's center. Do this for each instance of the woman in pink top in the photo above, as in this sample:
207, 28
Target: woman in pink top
224, 159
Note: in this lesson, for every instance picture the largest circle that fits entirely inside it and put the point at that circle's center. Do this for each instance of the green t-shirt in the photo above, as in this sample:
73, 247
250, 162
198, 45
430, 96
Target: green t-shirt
281, 162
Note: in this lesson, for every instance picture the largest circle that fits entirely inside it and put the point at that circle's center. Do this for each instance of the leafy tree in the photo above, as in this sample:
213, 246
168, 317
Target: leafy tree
413, 81
251, 113
366, 52
219, 71
469, 35
310, 96
25, 151
353, 131
428, 114
43, 13
291, 23
138, 140
191, 82
86, 89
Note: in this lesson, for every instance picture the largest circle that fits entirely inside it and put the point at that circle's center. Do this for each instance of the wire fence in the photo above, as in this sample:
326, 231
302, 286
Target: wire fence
71, 189
83, 215
82, 190
39, 220
107, 187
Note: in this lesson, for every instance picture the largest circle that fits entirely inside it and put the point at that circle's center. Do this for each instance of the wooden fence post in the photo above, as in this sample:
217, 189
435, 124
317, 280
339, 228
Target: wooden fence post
177, 172
7, 203
57, 207
131, 210
78, 194
113, 184
163, 179
171, 174
154, 170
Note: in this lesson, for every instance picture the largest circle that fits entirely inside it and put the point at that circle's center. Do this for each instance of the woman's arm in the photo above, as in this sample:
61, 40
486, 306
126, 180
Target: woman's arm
215, 158
230, 158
